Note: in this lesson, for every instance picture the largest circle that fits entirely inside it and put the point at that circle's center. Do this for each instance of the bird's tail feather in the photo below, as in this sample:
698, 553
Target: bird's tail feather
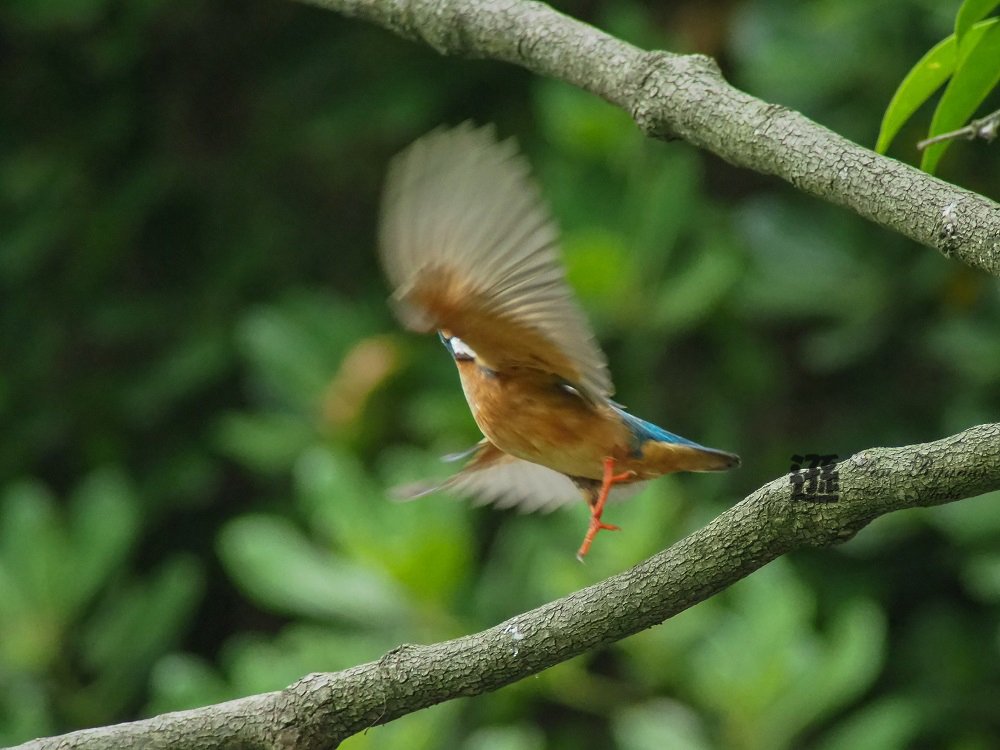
669, 457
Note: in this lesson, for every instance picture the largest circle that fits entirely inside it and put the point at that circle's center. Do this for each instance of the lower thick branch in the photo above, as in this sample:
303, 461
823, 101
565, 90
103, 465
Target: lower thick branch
321, 710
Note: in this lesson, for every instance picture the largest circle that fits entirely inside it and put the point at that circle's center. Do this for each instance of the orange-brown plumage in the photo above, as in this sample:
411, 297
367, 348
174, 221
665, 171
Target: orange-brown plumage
530, 416
472, 252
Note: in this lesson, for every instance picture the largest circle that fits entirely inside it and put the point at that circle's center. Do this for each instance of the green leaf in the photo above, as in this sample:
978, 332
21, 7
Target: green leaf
275, 564
294, 350
892, 723
691, 293
266, 442
346, 507
926, 77
104, 523
658, 724
843, 667
258, 663
33, 548
973, 523
180, 681
977, 74
581, 124
524, 736
596, 262
971, 12
148, 615
131, 631
982, 576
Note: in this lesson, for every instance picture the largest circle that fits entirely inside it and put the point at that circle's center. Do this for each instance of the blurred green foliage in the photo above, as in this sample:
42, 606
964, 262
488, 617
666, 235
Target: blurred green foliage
205, 397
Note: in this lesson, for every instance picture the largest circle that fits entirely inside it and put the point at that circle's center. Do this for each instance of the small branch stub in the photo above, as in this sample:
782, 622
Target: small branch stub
985, 128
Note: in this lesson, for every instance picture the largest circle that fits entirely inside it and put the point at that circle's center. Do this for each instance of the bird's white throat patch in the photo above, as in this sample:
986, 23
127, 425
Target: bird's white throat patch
460, 348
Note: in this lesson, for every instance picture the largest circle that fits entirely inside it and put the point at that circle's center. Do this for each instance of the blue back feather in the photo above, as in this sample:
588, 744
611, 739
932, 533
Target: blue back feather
645, 431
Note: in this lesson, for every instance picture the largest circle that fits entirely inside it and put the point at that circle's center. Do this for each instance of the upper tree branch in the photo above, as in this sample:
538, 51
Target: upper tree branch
321, 710
686, 96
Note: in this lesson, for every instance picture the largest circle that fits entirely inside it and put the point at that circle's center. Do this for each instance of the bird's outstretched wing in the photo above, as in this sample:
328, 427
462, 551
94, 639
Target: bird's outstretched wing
470, 248
492, 476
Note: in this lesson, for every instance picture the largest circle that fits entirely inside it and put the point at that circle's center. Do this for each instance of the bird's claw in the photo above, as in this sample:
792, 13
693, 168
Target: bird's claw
595, 526
598, 508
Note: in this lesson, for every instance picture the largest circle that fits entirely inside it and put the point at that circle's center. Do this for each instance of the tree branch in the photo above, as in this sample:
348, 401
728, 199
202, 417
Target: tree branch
685, 96
321, 710
985, 128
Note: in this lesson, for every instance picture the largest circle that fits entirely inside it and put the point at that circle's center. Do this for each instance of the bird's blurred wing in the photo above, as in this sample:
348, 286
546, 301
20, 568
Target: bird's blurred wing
470, 248
493, 476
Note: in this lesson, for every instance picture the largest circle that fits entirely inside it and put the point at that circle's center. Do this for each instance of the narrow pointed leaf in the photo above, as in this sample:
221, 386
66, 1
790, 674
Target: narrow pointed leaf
971, 12
926, 77
977, 74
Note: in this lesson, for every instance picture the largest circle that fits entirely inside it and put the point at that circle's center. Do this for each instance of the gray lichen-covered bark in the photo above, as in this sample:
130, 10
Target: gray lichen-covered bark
685, 96
321, 710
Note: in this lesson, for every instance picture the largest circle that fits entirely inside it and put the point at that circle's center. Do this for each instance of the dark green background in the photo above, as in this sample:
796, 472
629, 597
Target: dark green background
204, 397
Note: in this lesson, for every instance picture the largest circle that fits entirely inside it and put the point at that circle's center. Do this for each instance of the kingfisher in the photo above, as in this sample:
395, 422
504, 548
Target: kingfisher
471, 251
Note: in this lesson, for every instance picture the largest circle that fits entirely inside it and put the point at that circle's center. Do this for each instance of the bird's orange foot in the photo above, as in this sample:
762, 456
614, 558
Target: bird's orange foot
597, 509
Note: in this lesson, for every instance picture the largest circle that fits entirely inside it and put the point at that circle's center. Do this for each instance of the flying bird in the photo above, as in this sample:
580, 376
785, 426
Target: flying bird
471, 251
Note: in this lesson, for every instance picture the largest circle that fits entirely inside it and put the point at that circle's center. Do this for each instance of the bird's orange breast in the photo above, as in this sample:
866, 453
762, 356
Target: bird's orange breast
530, 415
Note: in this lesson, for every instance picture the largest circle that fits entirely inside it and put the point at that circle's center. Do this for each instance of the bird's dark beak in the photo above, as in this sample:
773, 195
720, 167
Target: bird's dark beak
445, 337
